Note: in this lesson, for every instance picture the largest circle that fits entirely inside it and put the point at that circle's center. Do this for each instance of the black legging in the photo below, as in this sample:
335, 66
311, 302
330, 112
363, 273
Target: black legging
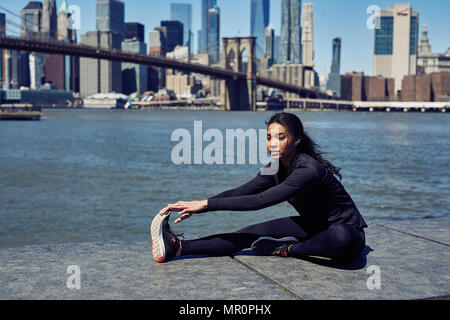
334, 241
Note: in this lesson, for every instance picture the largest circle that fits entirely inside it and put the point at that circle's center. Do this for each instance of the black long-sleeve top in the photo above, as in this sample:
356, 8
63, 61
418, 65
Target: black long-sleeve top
307, 185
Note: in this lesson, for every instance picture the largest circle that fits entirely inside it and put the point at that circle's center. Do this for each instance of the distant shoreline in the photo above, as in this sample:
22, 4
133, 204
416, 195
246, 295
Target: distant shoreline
218, 108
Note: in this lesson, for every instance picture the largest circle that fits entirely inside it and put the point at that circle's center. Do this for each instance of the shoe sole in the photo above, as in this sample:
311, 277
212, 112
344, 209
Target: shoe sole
158, 248
271, 241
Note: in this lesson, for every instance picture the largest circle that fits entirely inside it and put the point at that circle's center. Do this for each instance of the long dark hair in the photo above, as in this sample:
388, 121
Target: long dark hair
295, 127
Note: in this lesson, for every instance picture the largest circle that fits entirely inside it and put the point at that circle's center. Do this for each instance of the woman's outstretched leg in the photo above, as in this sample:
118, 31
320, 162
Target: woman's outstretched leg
334, 241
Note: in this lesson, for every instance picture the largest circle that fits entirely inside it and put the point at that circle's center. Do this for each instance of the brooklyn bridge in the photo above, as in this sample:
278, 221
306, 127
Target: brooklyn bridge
238, 91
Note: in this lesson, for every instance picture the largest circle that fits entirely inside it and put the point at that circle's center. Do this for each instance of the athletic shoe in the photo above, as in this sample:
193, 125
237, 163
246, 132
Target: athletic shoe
268, 246
164, 242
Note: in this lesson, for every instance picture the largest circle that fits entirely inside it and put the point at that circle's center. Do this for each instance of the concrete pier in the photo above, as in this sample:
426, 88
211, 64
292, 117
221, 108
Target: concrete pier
402, 260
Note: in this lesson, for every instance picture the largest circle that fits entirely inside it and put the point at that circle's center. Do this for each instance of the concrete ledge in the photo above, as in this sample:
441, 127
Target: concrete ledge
413, 258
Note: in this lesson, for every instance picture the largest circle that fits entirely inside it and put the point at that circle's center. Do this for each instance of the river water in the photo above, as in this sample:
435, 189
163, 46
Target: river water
95, 175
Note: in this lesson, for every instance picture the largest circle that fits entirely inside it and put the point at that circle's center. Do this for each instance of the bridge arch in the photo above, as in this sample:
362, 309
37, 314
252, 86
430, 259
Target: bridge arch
231, 60
239, 94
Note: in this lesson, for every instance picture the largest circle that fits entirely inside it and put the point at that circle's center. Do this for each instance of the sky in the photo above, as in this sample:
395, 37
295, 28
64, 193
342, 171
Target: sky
346, 19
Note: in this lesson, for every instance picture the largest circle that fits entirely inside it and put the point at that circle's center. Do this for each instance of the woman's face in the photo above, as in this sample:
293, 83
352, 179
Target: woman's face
280, 142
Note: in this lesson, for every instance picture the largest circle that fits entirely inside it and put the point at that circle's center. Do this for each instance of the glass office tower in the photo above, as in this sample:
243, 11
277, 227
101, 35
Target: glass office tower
259, 20
183, 12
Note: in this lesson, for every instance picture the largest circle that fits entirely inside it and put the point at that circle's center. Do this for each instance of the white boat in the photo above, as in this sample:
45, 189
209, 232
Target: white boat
105, 101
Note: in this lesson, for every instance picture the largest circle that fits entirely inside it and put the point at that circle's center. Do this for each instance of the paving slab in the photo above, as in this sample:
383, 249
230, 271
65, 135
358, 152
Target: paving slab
433, 229
409, 268
124, 270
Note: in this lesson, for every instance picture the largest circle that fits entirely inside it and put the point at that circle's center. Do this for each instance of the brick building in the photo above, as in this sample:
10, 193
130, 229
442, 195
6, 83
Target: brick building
358, 87
434, 87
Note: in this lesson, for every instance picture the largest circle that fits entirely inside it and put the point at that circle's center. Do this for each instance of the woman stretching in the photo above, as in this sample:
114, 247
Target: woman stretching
329, 224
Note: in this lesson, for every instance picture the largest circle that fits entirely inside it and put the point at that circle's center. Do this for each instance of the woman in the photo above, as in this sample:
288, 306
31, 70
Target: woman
329, 224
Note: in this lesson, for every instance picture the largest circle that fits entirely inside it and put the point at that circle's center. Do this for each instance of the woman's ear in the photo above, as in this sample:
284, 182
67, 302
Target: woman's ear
297, 142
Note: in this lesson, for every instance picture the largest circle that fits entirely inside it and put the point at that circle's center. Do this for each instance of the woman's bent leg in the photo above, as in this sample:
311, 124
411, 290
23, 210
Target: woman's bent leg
338, 241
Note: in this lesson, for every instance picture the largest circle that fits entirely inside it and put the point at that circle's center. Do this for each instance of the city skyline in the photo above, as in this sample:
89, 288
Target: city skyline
358, 40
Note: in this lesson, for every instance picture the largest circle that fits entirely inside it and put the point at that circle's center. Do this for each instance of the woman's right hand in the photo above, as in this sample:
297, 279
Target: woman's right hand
185, 208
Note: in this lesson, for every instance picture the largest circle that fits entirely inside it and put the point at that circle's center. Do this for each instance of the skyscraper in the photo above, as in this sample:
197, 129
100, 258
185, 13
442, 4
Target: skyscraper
291, 31
110, 16
259, 20
308, 34
103, 76
157, 46
134, 30
395, 54
277, 49
96, 75
31, 65
31, 16
214, 35
63, 70
134, 76
203, 41
183, 12
269, 39
55, 26
156, 42
49, 19
334, 79
173, 34
3, 71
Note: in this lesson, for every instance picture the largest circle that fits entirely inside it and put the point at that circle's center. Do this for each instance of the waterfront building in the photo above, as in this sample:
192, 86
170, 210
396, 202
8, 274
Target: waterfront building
356, 86
429, 62
291, 32
434, 87
96, 75
334, 78
259, 21
395, 54
43, 97
180, 84
183, 12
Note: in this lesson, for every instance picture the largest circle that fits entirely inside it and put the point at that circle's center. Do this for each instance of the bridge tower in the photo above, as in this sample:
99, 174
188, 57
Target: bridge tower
239, 94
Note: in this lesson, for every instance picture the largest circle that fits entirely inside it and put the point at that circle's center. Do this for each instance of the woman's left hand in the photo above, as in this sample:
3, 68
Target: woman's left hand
185, 208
